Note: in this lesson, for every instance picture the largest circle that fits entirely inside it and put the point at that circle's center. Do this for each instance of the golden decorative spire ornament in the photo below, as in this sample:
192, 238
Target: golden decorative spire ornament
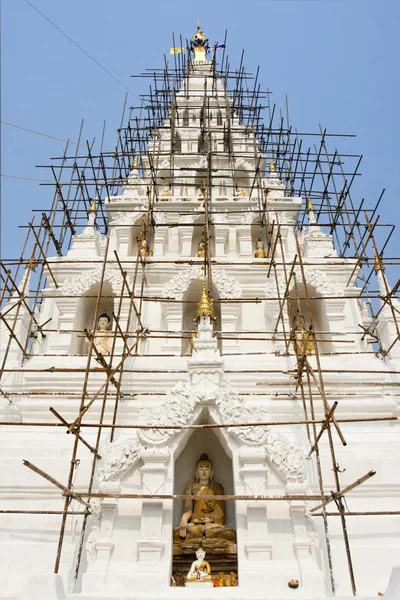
272, 165
199, 45
205, 306
135, 164
378, 266
309, 205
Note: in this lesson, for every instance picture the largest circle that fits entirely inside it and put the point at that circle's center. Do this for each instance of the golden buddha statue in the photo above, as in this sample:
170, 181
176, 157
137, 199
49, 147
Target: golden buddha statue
102, 338
200, 570
144, 249
166, 193
203, 521
301, 337
259, 251
241, 192
201, 251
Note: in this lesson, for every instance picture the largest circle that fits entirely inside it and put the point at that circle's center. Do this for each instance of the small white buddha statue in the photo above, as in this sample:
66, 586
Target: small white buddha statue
200, 570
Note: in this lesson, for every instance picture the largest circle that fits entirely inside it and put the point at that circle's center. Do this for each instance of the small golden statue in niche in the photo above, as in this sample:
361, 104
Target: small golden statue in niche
203, 521
167, 192
240, 192
200, 570
144, 249
102, 338
259, 251
302, 338
201, 250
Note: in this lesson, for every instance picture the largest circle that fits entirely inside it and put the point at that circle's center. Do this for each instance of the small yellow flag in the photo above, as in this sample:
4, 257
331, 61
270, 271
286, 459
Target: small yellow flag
175, 50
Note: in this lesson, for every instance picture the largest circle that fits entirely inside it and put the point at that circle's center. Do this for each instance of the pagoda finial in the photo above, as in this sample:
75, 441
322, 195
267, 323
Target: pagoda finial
205, 306
309, 205
199, 44
92, 212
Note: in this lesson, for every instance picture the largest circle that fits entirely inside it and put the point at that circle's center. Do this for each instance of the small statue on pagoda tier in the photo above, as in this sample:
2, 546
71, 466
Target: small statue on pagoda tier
240, 192
201, 251
144, 249
302, 338
102, 337
259, 251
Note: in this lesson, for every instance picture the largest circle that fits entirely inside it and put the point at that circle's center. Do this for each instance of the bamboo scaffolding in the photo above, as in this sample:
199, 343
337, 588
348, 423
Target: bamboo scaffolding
324, 176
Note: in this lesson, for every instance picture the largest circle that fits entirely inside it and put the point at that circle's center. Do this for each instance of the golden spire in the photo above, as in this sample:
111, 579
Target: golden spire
93, 206
205, 306
309, 205
135, 164
272, 165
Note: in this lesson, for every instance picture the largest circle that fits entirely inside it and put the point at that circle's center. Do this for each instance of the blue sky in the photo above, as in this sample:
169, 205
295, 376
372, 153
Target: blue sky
337, 60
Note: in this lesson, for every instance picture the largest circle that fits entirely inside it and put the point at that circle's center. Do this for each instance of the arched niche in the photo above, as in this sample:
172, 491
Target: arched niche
243, 181
177, 143
319, 315
185, 118
85, 313
190, 299
198, 231
134, 236
203, 441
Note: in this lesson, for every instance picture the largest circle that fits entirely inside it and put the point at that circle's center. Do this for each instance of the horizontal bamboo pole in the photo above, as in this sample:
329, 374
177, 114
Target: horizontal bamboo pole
204, 426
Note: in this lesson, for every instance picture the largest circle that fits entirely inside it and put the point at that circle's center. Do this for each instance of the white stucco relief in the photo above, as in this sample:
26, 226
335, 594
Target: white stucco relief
80, 284
226, 286
314, 277
180, 408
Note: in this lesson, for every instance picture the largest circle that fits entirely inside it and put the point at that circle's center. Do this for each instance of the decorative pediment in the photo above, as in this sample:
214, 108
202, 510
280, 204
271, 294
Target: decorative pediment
227, 287
241, 163
77, 286
181, 407
314, 277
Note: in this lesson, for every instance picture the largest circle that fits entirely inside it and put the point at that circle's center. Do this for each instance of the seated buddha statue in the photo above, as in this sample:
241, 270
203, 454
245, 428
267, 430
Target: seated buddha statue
203, 521
201, 251
200, 570
259, 251
302, 338
144, 249
102, 338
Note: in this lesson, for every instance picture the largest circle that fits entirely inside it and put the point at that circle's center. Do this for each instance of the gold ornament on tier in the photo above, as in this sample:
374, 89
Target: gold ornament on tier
309, 205
205, 306
102, 338
378, 266
200, 570
272, 166
259, 251
202, 524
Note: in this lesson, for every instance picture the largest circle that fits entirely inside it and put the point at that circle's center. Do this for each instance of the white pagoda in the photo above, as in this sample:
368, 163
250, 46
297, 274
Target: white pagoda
208, 327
